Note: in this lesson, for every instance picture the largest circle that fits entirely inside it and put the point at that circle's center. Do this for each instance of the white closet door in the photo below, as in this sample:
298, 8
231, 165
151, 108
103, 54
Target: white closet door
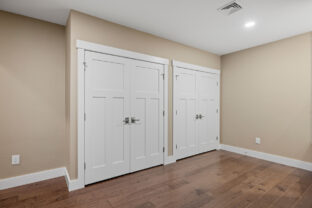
207, 130
185, 112
107, 104
146, 129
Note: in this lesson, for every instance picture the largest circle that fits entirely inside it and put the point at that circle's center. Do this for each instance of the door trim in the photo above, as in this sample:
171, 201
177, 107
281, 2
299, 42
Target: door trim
194, 67
82, 47
89, 46
179, 64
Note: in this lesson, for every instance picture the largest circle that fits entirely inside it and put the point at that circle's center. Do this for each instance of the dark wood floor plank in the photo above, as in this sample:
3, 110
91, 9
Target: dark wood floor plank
215, 179
212, 177
259, 186
224, 195
305, 201
276, 192
295, 191
147, 183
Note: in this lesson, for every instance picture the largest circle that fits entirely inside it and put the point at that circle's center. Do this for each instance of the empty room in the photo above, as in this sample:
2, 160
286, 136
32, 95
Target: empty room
154, 103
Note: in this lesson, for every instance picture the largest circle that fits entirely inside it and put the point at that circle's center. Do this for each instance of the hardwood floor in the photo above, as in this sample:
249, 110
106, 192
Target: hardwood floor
217, 179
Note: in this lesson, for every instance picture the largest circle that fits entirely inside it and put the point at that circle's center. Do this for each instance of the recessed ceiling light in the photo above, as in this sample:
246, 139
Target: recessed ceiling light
250, 24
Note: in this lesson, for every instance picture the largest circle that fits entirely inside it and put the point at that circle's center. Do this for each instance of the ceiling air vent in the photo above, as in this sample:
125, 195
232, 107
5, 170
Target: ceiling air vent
230, 8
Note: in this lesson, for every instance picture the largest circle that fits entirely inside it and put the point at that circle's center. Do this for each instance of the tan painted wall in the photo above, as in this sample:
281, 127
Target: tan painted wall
96, 30
32, 92
266, 92
67, 88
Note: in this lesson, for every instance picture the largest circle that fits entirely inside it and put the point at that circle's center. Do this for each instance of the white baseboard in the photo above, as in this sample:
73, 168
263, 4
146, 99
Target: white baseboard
269, 157
41, 176
73, 184
31, 178
170, 159
78, 184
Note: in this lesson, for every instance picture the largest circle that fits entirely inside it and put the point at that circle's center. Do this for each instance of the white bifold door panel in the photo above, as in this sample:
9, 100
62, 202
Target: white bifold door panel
207, 110
107, 104
146, 128
196, 114
123, 120
185, 112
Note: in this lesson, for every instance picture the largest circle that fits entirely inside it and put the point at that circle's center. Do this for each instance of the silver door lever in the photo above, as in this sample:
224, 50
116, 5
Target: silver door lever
134, 120
127, 120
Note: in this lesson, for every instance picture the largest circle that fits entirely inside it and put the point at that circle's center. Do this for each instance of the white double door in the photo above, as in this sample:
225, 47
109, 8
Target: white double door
196, 112
124, 116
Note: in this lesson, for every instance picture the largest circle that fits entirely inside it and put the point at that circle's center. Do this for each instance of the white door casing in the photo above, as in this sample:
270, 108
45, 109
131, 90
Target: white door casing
84, 47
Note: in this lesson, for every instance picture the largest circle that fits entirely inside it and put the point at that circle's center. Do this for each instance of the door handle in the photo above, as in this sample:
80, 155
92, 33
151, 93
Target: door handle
201, 116
134, 120
127, 120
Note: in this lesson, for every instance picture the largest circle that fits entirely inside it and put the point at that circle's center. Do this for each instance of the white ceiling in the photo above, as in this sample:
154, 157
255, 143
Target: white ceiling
195, 23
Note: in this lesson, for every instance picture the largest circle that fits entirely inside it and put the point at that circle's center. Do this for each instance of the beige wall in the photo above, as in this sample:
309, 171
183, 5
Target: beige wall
266, 92
67, 89
96, 30
32, 92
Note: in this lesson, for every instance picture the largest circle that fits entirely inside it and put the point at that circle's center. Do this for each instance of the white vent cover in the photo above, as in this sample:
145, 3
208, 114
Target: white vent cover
230, 8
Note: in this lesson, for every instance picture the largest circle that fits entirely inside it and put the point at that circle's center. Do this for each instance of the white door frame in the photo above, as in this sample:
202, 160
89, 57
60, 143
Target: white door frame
82, 47
179, 64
